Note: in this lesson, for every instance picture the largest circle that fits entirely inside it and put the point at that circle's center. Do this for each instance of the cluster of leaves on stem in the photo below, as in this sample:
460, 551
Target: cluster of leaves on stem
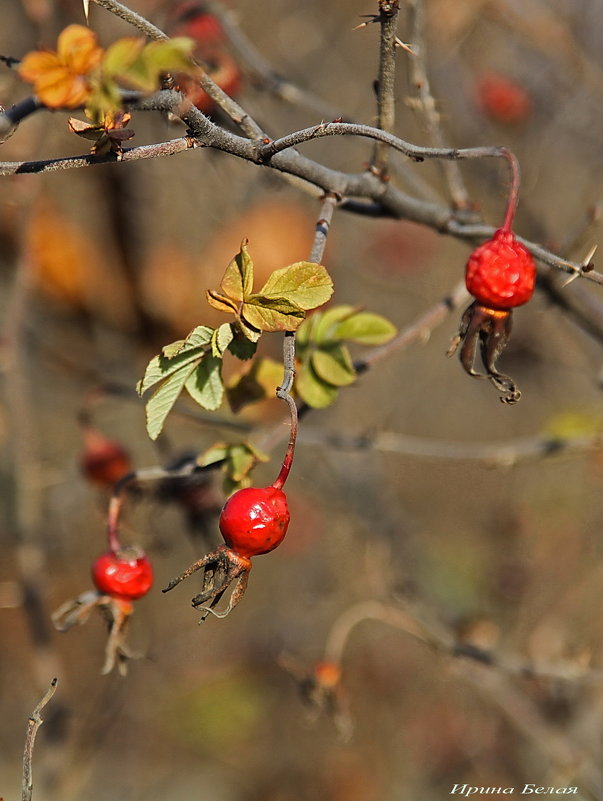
324, 363
81, 73
195, 363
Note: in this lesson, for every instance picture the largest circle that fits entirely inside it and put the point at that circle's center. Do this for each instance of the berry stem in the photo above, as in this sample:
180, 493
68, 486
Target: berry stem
283, 392
514, 189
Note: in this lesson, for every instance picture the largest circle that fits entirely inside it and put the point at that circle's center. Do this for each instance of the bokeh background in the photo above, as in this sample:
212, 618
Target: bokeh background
100, 267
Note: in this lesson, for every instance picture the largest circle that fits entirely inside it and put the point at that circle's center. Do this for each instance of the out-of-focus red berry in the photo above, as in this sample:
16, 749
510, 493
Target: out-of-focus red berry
503, 100
103, 461
223, 70
192, 19
125, 575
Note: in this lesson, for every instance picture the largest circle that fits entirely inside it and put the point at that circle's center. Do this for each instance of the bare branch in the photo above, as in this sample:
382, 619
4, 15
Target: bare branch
424, 101
386, 109
35, 721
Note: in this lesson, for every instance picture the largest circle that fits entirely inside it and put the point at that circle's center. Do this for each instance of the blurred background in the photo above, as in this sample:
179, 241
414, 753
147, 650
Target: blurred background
101, 267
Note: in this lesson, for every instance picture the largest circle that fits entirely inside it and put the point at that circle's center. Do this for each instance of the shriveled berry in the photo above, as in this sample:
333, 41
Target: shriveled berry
501, 272
254, 520
126, 575
103, 461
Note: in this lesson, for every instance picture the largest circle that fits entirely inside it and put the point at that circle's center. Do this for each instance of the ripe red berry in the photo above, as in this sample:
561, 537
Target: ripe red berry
503, 100
126, 575
192, 19
501, 273
254, 520
103, 461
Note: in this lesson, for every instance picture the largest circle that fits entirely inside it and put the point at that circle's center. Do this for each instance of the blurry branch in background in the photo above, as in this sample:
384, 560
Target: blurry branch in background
506, 454
494, 675
444, 640
423, 101
35, 721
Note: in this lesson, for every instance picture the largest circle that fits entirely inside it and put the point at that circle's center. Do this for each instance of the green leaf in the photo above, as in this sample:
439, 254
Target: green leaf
120, 56
161, 402
258, 383
323, 332
171, 55
272, 313
248, 331
366, 328
160, 367
242, 348
334, 365
221, 339
304, 283
205, 385
312, 389
305, 333
240, 462
217, 453
221, 302
237, 282
175, 356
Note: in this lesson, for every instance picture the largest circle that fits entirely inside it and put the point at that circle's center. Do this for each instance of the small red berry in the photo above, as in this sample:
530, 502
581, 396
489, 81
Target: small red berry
503, 100
103, 461
192, 19
126, 575
501, 272
254, 520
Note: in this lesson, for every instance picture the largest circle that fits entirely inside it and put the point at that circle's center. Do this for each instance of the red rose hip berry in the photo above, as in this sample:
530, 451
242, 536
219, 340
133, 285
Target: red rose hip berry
254, 520
501, 272
126, 575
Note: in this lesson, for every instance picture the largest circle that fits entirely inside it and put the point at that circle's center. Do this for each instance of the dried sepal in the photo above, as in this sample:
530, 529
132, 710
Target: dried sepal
115, 611
221, 568
490, 329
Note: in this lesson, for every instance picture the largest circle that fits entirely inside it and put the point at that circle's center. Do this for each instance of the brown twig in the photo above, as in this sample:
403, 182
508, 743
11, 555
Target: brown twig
35, 721
236, 113
386, 109
284, 390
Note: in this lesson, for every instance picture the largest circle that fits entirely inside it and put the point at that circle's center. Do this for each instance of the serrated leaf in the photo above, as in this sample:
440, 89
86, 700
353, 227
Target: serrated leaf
366, 328
173, 349
217, 453
161, 402
120, 56
312, 389
205, 384
160, 367
242, 348
221, 302
221, 339
258, 383
304, 283
272, 313
237, 281
323, 332
334, 365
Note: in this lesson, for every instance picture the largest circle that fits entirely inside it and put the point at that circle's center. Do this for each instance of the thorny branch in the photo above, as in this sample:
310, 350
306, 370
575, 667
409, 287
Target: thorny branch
35, 721
386, 109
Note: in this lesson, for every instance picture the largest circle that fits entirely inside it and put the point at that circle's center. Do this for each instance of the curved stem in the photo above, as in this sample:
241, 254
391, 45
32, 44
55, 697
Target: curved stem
514, 190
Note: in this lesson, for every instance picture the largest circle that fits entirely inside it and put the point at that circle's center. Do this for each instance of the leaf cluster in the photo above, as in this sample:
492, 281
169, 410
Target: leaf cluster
194, 364
324, 363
